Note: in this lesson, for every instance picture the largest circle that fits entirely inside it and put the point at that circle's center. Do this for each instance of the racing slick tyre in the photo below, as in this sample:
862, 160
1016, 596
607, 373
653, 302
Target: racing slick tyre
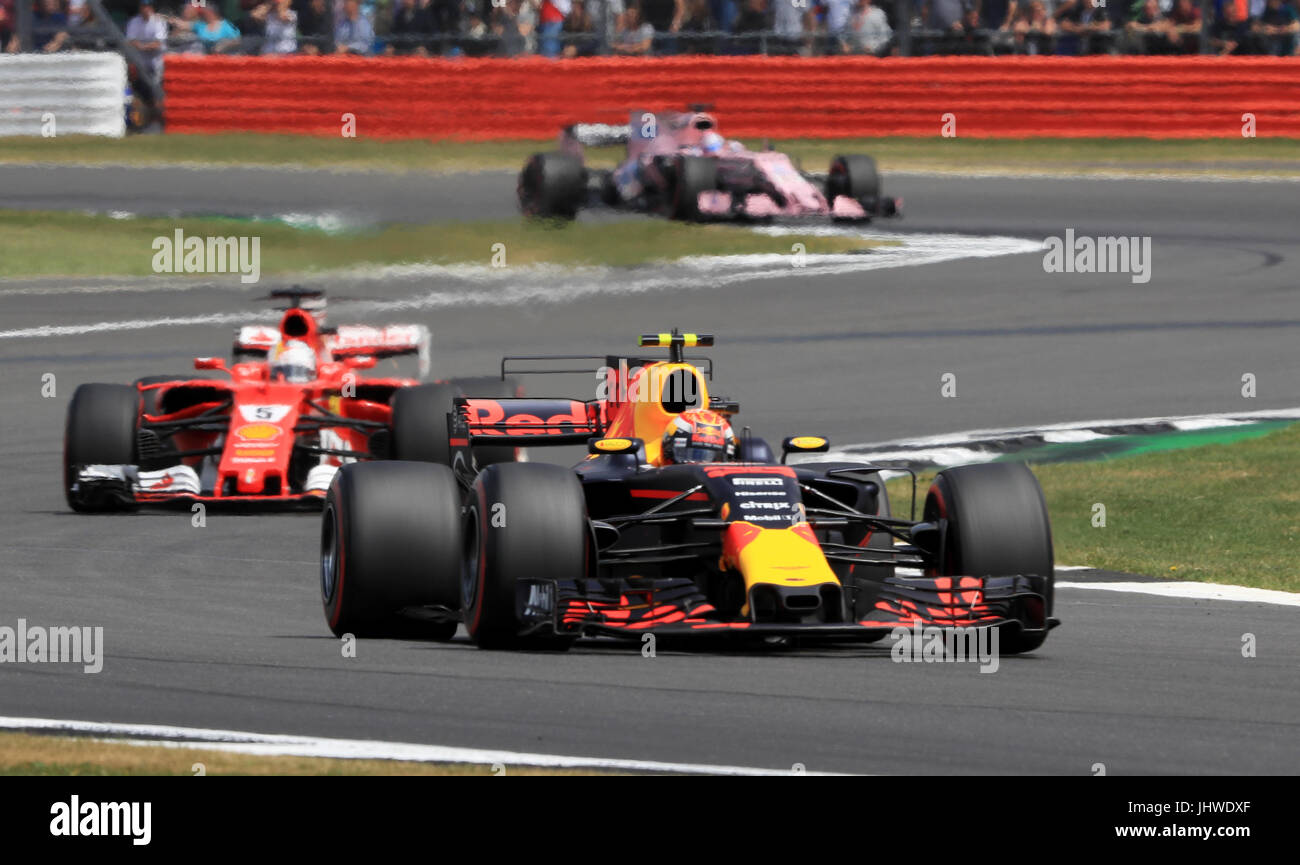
490, 387
420, 423
693, 175
522, 521
856, 177
997, 526
552, 185
100, 430
390, 539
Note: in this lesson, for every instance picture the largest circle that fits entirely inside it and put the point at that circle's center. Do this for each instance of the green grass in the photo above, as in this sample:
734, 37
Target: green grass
77, 244
1219, 513
28, 754
1064, 155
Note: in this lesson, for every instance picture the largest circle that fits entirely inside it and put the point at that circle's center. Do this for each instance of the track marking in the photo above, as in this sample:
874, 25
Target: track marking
265, 744
516, 286
137, 285
1163, 176
973, 446
1196, 591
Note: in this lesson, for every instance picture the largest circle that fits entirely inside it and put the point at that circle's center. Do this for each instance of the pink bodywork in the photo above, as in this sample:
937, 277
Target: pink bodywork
802, 197
677, 132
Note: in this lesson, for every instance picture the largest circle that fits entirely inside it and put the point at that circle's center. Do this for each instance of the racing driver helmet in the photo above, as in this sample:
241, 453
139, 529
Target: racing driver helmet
294, 361
699, 436
711, 143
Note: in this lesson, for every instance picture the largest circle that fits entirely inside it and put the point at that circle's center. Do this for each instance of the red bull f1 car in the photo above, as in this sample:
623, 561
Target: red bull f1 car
635, 539
293, 406
679, 166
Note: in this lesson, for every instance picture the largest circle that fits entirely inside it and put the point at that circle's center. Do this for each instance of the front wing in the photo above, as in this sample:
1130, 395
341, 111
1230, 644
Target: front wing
129, 485
676, 607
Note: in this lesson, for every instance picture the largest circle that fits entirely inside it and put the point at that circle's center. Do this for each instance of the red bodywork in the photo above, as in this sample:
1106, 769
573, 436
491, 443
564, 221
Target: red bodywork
266, 436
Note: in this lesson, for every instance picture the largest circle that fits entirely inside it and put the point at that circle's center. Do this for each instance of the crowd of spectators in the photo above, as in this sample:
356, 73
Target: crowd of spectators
1110, 27
579, 28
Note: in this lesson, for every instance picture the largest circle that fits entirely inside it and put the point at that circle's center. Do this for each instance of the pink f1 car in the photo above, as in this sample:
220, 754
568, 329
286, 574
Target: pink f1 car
679, 166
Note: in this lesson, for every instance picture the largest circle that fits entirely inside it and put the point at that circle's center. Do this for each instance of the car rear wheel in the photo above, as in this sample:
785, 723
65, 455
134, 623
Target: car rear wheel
997, 526
100, 430
419, 423
552, 185
390, 540
523, 521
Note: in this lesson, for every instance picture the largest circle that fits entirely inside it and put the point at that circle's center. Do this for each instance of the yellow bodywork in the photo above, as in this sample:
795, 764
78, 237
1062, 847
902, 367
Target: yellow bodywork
642, 415
788, 556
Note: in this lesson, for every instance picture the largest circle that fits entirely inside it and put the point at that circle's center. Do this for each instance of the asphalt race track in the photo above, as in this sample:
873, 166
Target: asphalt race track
220, 626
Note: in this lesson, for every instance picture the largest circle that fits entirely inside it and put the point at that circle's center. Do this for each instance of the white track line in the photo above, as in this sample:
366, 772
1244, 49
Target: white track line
961, 447
517, 286
264, 744
1195, 591
1190, 175
1182, 422
1188, 590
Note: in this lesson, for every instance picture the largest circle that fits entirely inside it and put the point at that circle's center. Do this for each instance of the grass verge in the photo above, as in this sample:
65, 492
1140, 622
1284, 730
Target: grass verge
1218, 513
77, 244
27, 754
1064, 155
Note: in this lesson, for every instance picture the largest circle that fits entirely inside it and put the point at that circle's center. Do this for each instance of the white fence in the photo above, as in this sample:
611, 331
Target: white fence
62, 94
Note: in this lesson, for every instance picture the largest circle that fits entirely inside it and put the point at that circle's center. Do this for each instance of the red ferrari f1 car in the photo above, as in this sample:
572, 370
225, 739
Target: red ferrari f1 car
290, 410
672, 525
678, 165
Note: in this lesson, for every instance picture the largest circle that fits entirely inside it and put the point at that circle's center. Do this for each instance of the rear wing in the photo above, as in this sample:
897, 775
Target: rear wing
349, 340
520, 422
256, 339
587, 364
598, 134
394, 340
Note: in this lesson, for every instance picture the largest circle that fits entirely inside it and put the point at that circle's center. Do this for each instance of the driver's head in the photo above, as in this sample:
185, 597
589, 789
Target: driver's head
699, 436
711, 143
293, 361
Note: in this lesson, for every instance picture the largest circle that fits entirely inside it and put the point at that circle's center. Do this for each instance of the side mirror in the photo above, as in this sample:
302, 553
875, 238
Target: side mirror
210, 363
804, 445
724, 405
614, 446
928, 537
360, 361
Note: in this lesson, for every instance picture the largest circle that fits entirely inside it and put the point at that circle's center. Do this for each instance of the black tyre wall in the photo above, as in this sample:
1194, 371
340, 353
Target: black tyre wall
420, 423
100, 430
552, 185
693, 175
997, 526
524, 520
390, 538
855, 176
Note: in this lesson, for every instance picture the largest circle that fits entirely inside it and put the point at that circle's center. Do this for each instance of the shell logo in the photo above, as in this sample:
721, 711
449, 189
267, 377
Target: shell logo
807, 442
258, 431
